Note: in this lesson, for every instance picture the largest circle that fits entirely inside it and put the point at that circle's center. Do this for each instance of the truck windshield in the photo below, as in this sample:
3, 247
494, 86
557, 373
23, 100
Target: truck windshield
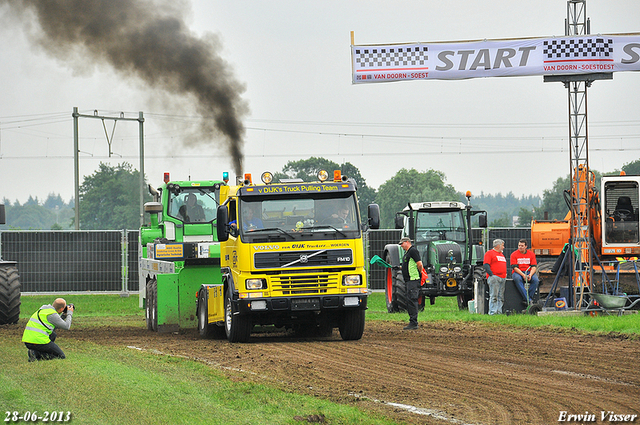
301, 217
434, 226
193, 205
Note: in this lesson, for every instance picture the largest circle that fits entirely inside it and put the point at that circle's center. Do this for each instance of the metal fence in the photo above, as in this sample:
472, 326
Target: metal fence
107, 261
73, 261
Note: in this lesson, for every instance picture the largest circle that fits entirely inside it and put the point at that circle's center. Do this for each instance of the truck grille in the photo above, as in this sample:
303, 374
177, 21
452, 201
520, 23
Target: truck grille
304, 284
317, 258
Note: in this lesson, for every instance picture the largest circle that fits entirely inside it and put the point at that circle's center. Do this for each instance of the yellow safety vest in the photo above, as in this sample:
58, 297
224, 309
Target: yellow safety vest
38, 328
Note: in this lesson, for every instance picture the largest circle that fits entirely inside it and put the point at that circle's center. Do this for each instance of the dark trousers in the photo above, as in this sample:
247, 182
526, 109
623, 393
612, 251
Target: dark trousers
413, 293
47, 351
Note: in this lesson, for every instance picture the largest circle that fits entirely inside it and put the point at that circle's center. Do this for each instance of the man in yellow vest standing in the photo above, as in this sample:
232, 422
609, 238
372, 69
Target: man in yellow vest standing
39, 335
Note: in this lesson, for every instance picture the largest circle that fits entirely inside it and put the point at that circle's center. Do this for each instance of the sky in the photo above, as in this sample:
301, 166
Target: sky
292, 63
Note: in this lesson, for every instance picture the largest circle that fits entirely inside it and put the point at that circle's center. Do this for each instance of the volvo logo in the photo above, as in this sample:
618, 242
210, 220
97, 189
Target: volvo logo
304, 258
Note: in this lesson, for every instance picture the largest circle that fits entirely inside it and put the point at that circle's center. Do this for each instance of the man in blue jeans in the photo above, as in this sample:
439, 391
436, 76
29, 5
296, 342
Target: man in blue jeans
524, 266
496, 267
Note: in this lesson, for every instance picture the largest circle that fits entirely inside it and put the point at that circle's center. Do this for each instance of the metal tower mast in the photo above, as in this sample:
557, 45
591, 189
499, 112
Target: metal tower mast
577, 24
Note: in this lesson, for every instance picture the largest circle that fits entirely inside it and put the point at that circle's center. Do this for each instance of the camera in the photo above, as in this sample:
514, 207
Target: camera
67, 306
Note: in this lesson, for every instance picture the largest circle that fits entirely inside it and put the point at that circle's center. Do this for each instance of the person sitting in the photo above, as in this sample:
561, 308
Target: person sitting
182, 213
340, 217
524, 266
195, 212
249, 222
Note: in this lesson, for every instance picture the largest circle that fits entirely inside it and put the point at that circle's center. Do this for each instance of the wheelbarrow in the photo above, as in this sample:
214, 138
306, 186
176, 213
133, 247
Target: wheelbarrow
608, 304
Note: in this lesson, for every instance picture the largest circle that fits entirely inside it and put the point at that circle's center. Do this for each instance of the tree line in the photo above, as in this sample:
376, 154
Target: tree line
109, 198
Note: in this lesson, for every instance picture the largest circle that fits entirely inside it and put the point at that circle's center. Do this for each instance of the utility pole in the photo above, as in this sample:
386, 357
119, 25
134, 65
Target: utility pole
76, 151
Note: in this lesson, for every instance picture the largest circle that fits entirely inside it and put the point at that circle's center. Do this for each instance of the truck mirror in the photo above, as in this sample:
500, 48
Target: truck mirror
482, 220
221, 223
2, 219
373, 211
399, 221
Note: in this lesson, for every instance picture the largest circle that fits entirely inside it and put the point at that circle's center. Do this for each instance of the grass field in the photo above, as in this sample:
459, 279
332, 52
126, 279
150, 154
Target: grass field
109, 385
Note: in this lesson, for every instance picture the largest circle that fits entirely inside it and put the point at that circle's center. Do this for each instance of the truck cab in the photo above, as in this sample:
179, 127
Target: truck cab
292, 256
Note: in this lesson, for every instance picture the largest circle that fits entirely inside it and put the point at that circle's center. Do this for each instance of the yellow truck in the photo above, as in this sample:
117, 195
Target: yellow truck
291, 256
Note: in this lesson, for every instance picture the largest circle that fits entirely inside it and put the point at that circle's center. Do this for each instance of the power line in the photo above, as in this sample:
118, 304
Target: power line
330, 154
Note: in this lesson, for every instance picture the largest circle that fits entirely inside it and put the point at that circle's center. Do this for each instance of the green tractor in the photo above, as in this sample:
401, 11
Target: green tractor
179, 252
441, 231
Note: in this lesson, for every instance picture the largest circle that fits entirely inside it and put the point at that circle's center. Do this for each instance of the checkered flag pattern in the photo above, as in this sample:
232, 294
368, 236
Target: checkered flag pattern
578, 48
380, 57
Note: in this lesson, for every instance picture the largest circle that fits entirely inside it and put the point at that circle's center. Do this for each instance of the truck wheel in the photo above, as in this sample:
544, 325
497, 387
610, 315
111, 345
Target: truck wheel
352, 325
237, 327
152, 305
148, 305
206, 329
9, 295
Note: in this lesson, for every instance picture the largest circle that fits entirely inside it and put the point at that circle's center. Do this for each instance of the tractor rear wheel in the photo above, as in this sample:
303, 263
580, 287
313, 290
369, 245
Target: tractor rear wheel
9, 295
388, 291
395, 289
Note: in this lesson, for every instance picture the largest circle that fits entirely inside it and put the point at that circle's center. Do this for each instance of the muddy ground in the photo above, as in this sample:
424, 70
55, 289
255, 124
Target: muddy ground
440, 374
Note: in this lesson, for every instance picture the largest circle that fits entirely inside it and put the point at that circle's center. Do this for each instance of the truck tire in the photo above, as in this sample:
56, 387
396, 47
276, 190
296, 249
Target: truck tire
352, 325
9, 295
237, 327
206, 329
147, 304
152, 305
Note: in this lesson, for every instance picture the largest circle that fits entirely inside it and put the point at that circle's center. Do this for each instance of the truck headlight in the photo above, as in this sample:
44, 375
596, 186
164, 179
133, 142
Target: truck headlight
352, 280
457, 269
253, 284
444, 269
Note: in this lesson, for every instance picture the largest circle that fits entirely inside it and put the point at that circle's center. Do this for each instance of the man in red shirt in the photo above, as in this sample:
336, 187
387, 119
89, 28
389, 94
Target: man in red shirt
524, 265
496, 267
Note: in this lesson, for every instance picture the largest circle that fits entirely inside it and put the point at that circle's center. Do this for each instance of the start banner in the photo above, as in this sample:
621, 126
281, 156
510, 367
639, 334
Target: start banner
495, 58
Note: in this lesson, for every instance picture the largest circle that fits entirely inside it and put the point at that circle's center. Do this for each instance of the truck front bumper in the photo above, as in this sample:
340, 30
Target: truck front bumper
300, 304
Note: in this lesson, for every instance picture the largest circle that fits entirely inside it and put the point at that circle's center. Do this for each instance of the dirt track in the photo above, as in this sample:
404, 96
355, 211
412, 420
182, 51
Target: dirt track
454, 373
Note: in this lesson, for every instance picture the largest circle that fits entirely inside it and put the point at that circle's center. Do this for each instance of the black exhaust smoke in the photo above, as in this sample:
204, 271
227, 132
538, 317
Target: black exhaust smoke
147, 39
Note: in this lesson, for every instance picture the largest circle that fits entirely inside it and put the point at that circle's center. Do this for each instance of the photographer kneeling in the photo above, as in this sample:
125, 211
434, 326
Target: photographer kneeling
39, 335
